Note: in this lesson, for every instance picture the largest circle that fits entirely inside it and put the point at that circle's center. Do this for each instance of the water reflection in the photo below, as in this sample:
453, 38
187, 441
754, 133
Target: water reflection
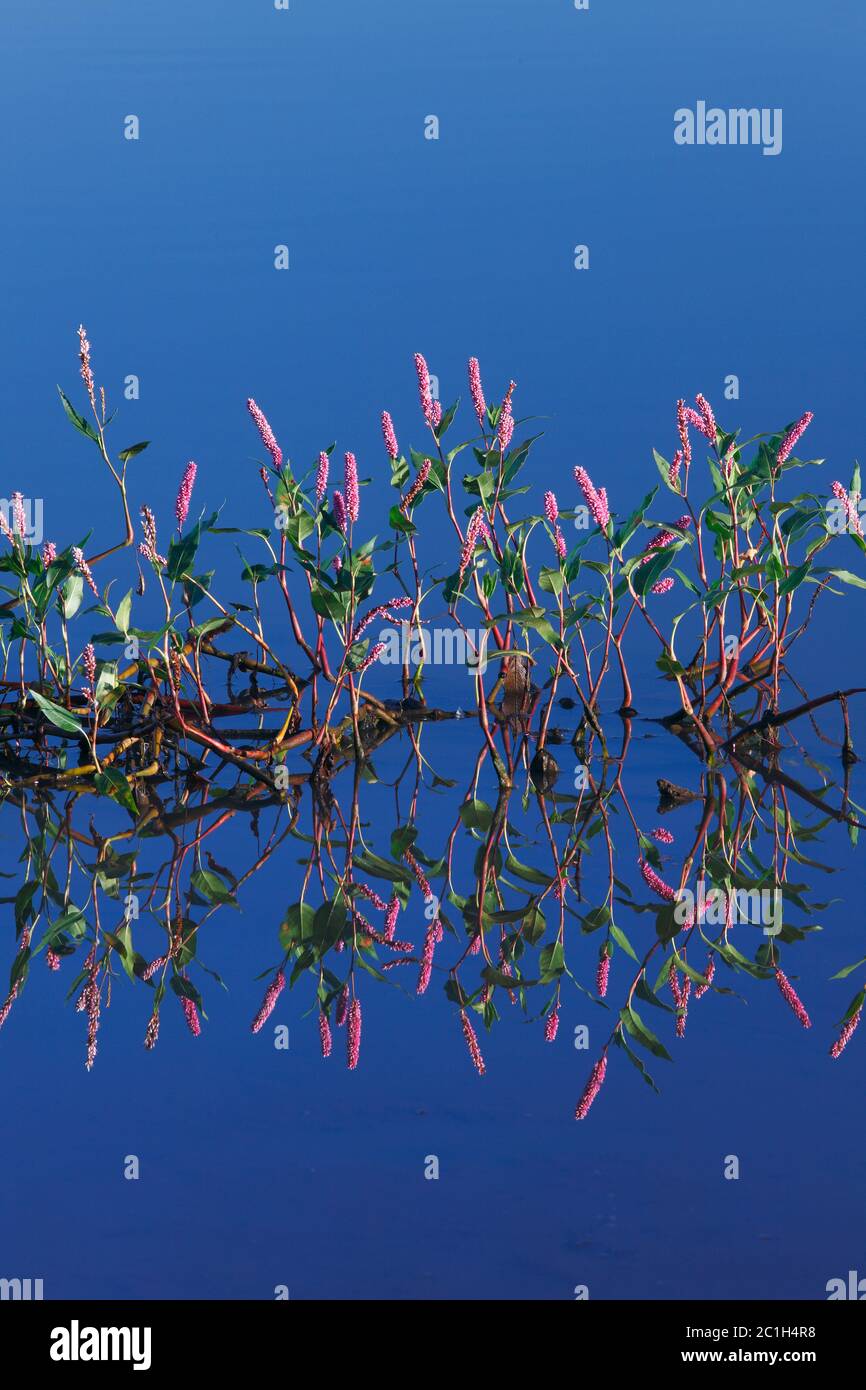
501, 868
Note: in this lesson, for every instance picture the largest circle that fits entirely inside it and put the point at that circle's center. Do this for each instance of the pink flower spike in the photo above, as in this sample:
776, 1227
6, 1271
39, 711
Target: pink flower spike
424, 390
340, 511
663, 836
390, 436
476, 391
851, 505
551, 510
662, 586
793, 435
52, 960
683, 429
708, 420
674, 469
684, 523
592, 1088
322, 477
436, 419
596, 501
266, 433
353, 504
370, 658
325, 1035
792, 999
551, 1024
49, 554
84, 569
417, 487
181, 506
505, 423
19, 521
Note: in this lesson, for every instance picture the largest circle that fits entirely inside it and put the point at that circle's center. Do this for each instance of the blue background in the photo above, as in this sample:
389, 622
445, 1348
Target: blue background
306, 128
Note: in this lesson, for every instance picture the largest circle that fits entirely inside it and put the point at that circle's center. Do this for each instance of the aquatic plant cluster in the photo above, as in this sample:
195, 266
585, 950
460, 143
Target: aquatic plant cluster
223, 706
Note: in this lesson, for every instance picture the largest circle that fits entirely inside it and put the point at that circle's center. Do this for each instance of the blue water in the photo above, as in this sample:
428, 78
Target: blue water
306, 128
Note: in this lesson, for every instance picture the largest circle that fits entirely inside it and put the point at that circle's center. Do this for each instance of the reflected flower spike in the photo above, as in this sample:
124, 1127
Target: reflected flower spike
845, 1036
708, 419
191, 1015
390, 436
592, 1088
152, 1032
551, 1024
424, 390
322, 477
353, 504
84, 569
181, 506
658, 885
266, 433
342, 1007
472, 1043
272, 994
353, 1035
793, 435
325, 1035
709, 975
391, 918
340, 511
791, 998
602, 975
476, 391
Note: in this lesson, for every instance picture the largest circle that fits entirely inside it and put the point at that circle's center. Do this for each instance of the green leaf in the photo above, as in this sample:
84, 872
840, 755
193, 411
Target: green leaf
78, 420
126, 454
60, 717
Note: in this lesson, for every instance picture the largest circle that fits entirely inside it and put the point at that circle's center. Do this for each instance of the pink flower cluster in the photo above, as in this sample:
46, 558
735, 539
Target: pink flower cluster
267, 434
596, 500
793, 436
